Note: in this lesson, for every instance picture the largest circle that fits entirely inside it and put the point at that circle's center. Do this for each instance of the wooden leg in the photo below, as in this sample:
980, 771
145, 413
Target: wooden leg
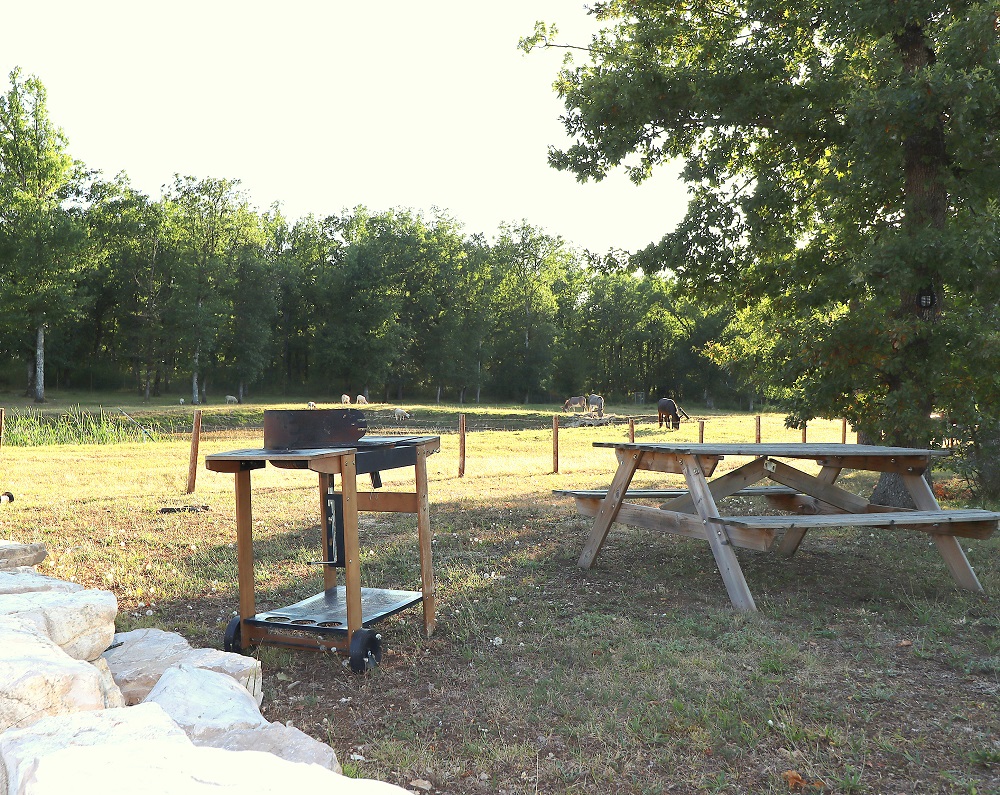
609, 508
352, 551
424, 536
790, 541
329, 540
722, 549
948, 546
244, 549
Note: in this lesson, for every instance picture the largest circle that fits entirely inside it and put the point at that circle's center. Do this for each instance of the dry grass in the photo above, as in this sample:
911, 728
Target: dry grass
865, 670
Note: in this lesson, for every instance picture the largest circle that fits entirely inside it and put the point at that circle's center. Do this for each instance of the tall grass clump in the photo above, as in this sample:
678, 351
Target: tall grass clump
32, 428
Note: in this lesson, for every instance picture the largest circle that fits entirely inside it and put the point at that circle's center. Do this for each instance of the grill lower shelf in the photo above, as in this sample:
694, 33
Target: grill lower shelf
326, 613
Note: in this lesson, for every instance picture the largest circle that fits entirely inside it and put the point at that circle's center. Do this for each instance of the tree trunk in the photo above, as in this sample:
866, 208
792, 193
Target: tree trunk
890, 489
40, 363
195, 395
439, 395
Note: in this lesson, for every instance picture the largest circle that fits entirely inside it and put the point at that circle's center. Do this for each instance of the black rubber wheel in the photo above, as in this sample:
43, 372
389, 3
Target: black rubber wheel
366, 650
232, 641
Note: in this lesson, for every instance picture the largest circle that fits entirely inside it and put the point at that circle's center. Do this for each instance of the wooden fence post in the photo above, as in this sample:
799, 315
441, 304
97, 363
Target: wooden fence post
804, 432
461, 445
631, 430
193, 463
555, 444
757, 422
843, 431
701, 431
1, 425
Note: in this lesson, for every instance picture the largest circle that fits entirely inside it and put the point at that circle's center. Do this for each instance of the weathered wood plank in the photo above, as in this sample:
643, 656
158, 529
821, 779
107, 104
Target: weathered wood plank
970, 522
682, 524
609, 509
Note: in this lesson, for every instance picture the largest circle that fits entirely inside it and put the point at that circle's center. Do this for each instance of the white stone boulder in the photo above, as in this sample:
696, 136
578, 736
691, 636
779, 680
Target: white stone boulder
81, 623
20, 749
206, 704
113, 698
14, 555
26, 579
37, 678
281, 740
166, 768
144, 654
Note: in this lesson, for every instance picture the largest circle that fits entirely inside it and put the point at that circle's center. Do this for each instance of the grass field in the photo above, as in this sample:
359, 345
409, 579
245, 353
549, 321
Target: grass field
865, 671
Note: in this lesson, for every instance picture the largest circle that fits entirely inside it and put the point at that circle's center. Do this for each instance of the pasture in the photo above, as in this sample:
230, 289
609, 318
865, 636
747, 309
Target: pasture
862, 673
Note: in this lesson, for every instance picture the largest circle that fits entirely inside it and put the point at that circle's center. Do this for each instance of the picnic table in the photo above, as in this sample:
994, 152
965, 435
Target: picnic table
811, 502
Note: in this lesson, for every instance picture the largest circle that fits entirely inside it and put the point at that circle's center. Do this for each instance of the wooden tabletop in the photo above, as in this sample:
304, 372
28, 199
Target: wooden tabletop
279, 455
777, 450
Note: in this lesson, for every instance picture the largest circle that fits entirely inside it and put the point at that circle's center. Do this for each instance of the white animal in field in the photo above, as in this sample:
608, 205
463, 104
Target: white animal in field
310, 405
400, 415
596, 403
232, 399
182, 401
361, 400
345, 399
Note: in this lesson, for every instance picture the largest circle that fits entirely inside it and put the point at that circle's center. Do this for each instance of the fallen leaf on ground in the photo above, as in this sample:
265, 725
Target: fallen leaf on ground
795, 781
903, 643
420, 783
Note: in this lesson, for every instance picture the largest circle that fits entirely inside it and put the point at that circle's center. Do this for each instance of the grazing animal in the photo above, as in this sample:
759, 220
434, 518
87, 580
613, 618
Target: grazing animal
668, 410
232, 399
400, 415
573, 402
345, 399
596, 403
182, 401
310, 405
361, 400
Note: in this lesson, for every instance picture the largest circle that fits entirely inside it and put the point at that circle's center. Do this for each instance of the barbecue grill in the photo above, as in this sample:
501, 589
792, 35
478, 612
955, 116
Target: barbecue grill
331, 442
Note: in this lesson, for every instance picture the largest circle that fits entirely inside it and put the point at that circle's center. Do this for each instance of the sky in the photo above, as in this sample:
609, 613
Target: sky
323, 105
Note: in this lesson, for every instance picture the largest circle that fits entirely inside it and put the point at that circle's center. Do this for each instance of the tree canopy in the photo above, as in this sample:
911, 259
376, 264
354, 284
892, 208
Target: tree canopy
843, 170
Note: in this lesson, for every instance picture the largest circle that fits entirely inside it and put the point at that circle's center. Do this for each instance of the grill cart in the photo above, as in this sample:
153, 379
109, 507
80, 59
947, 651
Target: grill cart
331, 442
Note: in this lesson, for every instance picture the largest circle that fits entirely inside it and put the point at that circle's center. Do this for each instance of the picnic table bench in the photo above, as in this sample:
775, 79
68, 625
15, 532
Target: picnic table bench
815, 501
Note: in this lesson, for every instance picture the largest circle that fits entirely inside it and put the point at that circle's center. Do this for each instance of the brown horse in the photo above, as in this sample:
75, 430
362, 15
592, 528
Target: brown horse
668, 410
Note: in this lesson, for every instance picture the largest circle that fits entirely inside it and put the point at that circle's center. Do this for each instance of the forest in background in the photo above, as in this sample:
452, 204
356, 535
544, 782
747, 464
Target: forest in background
199, 294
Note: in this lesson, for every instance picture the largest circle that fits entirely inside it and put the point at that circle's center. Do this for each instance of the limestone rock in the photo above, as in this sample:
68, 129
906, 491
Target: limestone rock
81, 623
20, 748
144, 654
281, 740
113, 698
13, 555
205, 703
245, 670
166, 768
26, 579
37, 678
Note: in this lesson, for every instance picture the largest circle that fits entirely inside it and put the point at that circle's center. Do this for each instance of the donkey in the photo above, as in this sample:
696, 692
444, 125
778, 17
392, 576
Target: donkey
573, 402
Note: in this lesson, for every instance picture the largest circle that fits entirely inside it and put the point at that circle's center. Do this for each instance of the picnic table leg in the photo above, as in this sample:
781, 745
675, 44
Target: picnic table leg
609, 508
722, 549
792, 538
948, 546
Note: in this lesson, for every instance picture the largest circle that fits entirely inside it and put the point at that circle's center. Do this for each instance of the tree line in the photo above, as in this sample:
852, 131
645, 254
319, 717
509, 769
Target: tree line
199, 294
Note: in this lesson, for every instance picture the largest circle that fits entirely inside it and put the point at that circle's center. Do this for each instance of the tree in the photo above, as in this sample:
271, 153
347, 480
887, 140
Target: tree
528, 263
41, 236
843, 167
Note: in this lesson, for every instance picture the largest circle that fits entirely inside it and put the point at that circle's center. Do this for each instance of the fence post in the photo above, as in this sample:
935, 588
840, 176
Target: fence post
461, 445
701, 431
193, 463
804, 425
843, 431
757, 422
1, 425
555, 444
631, 430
